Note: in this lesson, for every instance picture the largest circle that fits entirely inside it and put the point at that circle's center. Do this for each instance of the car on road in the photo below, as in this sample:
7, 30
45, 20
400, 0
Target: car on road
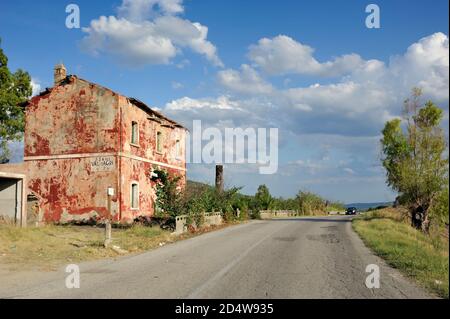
351, 211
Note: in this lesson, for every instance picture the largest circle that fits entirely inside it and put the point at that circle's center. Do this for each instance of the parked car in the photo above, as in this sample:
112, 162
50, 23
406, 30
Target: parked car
351, 211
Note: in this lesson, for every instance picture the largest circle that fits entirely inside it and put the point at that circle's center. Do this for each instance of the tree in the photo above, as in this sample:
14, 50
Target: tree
169, 195
263, 199
415, 160
15, 88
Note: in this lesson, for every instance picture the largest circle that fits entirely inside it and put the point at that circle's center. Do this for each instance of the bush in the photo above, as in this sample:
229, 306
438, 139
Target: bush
196, 219
439, 210
244, 214
310, 203
229, 216
169, 195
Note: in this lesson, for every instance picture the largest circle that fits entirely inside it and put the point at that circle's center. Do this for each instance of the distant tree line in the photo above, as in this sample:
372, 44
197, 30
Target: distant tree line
197, 197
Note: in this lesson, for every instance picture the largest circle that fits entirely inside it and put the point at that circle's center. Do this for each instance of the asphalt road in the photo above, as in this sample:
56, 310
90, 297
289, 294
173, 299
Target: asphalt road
297, 258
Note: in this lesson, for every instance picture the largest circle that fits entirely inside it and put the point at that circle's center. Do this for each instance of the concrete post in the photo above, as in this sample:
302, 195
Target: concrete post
110, 193
107, 233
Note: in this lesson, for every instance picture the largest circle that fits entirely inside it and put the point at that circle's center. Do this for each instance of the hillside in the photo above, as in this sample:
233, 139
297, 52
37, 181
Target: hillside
366, 206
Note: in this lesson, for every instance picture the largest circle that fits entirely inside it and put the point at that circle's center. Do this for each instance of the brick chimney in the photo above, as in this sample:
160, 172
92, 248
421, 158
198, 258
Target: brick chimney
60, 73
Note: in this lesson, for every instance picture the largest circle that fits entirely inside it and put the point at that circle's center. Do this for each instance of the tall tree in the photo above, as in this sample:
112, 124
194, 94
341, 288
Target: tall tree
263, 198
415, 158
15, 88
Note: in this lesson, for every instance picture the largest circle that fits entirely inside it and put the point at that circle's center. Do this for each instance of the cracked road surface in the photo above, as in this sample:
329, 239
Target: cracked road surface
315, 257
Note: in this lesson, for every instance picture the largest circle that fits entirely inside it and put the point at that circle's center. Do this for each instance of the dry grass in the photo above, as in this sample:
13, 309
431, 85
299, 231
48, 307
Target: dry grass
46, 248
422, 257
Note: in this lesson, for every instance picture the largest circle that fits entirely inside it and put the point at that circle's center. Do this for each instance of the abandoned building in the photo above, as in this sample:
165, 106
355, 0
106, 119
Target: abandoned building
89, 152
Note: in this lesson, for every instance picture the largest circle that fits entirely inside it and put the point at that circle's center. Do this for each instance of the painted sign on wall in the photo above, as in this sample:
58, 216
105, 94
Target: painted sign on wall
103, 164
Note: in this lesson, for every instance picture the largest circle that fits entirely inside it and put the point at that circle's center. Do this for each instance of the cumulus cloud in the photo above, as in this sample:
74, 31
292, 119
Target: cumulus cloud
36, 86
246, 81
425, 64
221, 112
332, 128
148, 32
141, 10
283, 55
226, 111
357, 103
187, 104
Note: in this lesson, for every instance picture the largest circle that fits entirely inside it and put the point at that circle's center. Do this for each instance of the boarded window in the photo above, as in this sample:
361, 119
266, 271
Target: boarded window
134, 133
134, 195
159, 142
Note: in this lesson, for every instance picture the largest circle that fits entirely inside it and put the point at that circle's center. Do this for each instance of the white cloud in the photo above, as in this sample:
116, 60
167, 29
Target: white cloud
36, 86
177, 85
223, 111
184, 63
332, 129
349, 171
140, 10
283, 55
359, 102
311, 166
132, 43
186, 103
425, 64
148, 32
246, 81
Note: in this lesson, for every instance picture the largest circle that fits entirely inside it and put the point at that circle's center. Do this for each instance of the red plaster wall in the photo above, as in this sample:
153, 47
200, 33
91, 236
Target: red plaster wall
136, 169
75, 118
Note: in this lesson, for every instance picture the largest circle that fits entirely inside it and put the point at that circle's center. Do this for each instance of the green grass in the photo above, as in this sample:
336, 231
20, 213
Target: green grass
421, 257
49, 246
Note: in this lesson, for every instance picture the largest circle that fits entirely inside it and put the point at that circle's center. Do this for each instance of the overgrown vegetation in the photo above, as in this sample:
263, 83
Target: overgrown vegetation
172, 199
416, 162
198, 198
423, 257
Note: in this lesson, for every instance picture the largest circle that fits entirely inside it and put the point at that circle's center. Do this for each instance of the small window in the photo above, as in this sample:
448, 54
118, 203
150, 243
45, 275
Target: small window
177, 149
134, 196
134, 133
159, 142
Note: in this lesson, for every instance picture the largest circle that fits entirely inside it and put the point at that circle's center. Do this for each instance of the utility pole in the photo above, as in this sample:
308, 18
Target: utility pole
219, 178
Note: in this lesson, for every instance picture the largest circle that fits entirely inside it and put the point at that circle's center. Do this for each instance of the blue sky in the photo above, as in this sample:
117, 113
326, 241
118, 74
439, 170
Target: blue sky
310, 68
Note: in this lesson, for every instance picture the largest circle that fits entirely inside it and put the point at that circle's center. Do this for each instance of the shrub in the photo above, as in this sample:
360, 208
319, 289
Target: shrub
229, 216
310, 203
196, 219
439, 209
169, 196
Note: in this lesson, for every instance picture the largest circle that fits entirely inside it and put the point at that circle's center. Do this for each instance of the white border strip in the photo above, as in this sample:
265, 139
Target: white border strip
66, 156
86, 155
137, 158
